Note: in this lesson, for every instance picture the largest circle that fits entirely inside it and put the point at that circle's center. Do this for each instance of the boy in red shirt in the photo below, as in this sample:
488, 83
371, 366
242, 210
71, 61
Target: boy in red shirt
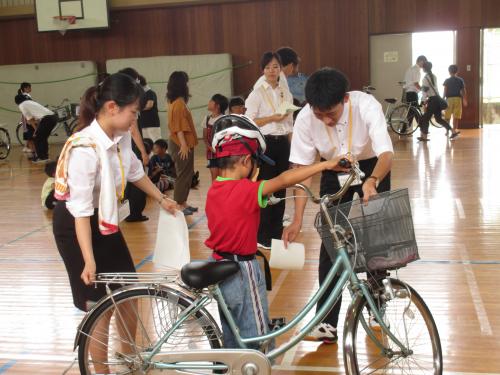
233, 213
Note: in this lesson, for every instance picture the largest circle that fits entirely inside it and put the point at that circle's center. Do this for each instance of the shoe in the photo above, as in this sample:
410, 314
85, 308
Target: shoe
422, 139
40, 161
187, 211
323, 332
454, 135
265, 247
192, 209
133, 219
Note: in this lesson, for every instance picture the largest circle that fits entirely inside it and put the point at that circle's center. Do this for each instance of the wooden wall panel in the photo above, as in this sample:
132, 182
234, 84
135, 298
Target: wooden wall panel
325, 32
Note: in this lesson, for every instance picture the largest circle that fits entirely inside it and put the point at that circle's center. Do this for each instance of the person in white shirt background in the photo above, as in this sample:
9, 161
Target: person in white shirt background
263, 104
42, 120
25, 90
412, 84
337, 122
87, 243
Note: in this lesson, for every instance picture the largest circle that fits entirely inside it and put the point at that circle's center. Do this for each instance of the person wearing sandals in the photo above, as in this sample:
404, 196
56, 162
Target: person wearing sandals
434, 108
182, 139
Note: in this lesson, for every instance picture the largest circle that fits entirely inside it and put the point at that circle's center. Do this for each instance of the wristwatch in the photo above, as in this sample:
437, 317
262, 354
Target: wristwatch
376, 180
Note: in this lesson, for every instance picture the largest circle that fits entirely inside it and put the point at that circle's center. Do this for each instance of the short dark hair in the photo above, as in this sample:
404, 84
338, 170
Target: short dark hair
161, 143
453, 69
268, 57
221, 101
326, 88
288, 56
131, 72
421, 58
50, 168
177, 86
229, 161
237, 100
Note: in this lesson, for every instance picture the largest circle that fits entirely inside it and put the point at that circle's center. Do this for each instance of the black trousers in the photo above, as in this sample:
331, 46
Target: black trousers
412, 99
433, 109
271, 217
136, 197
329, 185
42, 134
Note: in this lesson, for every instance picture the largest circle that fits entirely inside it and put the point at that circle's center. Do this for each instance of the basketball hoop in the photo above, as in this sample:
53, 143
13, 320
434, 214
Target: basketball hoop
63, 22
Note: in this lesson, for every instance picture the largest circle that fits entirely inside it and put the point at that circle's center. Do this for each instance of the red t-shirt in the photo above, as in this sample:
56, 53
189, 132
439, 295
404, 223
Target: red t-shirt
233, 215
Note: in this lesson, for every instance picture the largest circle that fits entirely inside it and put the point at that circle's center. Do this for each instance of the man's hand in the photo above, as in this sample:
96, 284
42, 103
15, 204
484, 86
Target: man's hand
290, 232
369, 189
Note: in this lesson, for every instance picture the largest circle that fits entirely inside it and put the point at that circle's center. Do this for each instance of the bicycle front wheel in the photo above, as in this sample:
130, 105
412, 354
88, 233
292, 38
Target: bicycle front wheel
410, 320
403, 119
117, 334
19, 133
4, 143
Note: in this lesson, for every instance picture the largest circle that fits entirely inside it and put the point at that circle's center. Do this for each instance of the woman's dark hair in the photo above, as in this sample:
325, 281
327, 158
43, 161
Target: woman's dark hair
326, 88
24, 86
288, 56
161, 143
428, 69
142, 80
131, 72
177, 86
118, 87
221, 101
268, 57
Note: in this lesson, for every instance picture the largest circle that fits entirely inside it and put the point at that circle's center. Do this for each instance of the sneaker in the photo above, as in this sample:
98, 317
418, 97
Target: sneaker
191, 208
323, 332
264, 246
187, 212
454, 135
133, 219
40, 161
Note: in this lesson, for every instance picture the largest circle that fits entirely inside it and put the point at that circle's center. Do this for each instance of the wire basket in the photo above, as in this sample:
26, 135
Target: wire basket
63, 113
383, 229
75, 109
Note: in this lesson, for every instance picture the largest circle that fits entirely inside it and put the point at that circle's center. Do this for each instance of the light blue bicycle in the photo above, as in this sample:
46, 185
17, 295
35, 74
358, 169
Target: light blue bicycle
161, 322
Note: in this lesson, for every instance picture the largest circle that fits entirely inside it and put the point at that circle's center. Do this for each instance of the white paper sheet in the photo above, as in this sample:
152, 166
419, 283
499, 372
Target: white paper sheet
172, 241
291, 258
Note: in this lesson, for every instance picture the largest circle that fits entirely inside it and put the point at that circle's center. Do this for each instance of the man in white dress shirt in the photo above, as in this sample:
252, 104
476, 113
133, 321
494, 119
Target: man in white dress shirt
336, 122
412, 84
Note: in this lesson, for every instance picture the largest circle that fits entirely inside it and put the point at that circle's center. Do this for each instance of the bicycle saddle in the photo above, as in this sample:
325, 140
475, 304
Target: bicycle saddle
391, 100
199, 275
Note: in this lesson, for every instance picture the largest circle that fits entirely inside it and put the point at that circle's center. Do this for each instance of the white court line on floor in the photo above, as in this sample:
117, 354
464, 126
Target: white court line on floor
276, 287
342, 370
460, 208
481, 314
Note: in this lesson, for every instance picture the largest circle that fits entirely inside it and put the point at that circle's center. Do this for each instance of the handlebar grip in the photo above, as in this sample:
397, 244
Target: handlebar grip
344, 163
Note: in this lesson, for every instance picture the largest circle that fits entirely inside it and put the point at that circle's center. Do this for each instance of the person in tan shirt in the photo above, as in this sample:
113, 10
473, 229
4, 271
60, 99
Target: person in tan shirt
183, 137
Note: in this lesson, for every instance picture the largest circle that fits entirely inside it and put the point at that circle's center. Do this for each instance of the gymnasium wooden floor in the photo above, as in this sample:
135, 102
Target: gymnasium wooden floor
455, 194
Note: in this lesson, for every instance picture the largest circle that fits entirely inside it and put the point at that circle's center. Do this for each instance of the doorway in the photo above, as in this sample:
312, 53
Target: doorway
490, 87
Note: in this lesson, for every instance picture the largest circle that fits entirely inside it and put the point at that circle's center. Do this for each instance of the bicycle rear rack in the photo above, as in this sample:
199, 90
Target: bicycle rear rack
137, 278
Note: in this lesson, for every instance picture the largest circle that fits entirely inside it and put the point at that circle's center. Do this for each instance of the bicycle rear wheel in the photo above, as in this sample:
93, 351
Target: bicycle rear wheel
115, 335
19, 134
403, 119
410, 320
4, 143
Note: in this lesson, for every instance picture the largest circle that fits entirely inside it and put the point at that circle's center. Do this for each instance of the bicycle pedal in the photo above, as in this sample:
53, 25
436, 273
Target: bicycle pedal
277, 323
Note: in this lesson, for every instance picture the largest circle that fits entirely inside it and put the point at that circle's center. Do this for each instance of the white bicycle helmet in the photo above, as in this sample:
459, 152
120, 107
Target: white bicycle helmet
232, 131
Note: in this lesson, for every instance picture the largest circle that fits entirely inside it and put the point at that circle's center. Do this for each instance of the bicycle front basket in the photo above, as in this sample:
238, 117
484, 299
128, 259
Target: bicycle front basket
383, 228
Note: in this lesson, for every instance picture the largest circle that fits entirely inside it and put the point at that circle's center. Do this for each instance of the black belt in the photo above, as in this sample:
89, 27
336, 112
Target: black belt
246, 258
276, 137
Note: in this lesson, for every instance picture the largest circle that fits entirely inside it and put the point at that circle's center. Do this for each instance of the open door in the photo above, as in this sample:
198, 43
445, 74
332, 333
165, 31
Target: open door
490, 79
390, 57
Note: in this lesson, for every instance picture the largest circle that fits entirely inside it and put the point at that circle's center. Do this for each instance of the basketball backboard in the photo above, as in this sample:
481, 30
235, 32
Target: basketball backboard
88, 14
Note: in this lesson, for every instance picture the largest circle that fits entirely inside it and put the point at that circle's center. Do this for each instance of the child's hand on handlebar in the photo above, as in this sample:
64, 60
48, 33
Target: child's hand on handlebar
340, 163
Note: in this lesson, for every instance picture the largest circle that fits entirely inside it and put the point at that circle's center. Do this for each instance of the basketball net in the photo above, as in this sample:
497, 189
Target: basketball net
63, 22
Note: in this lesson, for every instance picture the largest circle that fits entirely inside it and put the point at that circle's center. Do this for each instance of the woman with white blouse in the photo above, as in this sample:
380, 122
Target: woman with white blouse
91, 175
264, 104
